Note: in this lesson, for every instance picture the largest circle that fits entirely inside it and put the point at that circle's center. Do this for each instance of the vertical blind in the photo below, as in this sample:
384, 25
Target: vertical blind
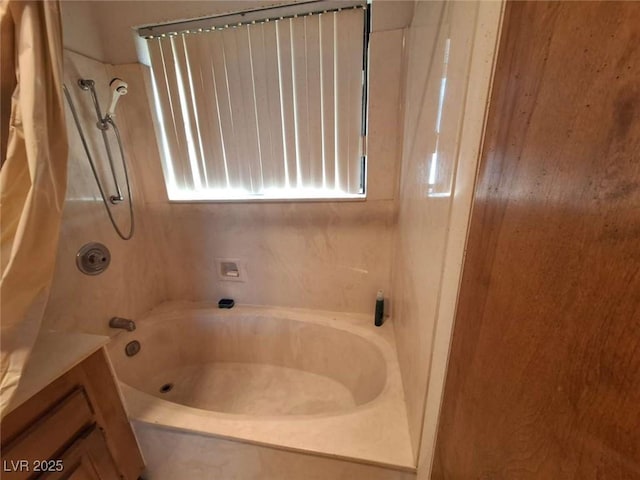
272, 109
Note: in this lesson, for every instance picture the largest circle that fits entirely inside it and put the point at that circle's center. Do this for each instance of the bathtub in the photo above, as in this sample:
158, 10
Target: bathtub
306, 381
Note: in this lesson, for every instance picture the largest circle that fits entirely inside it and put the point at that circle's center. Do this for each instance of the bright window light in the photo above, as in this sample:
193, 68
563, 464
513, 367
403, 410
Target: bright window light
273, 109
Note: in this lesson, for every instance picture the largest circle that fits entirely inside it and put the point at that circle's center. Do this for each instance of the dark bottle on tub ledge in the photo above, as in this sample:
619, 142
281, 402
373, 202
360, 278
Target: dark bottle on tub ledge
379, 315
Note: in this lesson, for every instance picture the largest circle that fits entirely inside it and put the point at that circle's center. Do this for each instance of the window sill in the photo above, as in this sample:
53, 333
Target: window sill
264, 199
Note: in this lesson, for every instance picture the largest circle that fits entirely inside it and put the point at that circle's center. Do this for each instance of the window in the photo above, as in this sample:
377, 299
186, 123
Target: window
264, 104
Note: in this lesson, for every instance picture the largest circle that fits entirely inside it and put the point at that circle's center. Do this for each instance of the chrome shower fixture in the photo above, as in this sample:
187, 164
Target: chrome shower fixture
118, 88
103, 123
107, 122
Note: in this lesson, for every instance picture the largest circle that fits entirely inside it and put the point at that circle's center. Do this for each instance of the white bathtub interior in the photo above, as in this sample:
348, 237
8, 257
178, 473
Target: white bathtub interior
303, 380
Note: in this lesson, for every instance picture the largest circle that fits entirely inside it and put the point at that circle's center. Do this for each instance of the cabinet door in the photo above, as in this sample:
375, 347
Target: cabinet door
88, 458
54, 429
84, 399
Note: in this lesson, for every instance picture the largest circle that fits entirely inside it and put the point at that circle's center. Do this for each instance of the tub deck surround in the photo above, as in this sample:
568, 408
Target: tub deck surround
315, 382
172, 455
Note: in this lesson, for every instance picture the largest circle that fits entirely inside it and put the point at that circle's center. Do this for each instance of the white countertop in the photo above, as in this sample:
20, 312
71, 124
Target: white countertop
53, 355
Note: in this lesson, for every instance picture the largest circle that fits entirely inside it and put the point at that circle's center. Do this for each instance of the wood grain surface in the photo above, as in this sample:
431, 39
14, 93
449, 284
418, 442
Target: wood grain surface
544, 374
85, 395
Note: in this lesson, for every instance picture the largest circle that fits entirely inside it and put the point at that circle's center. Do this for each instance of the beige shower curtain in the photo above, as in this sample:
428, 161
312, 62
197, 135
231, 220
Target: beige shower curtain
33, 175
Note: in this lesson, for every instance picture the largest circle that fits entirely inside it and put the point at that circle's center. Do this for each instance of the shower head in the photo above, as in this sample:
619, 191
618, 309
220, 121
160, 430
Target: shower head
118, 88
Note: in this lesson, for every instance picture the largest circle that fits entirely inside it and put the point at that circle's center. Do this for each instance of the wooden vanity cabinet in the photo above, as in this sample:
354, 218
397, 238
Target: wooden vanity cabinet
74, 428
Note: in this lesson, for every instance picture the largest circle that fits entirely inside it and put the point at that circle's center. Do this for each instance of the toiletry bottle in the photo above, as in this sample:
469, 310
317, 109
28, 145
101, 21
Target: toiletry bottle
379, 316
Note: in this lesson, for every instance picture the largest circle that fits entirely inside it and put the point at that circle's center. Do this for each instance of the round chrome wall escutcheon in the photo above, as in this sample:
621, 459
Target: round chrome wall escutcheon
93, 258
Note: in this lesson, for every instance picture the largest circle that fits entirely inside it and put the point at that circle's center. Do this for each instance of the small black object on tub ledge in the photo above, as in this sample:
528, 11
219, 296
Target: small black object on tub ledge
226, 303
379, 316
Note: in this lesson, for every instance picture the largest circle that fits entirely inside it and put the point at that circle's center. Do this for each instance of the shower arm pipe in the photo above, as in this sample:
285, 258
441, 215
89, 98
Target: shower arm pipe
103, 126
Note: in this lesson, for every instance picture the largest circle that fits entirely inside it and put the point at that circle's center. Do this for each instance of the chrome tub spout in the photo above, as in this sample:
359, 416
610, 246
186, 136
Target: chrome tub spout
124, 323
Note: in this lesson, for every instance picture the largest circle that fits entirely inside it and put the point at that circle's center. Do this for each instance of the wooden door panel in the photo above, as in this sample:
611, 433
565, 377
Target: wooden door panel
43, 438
544, 372
41, 428
88, 458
